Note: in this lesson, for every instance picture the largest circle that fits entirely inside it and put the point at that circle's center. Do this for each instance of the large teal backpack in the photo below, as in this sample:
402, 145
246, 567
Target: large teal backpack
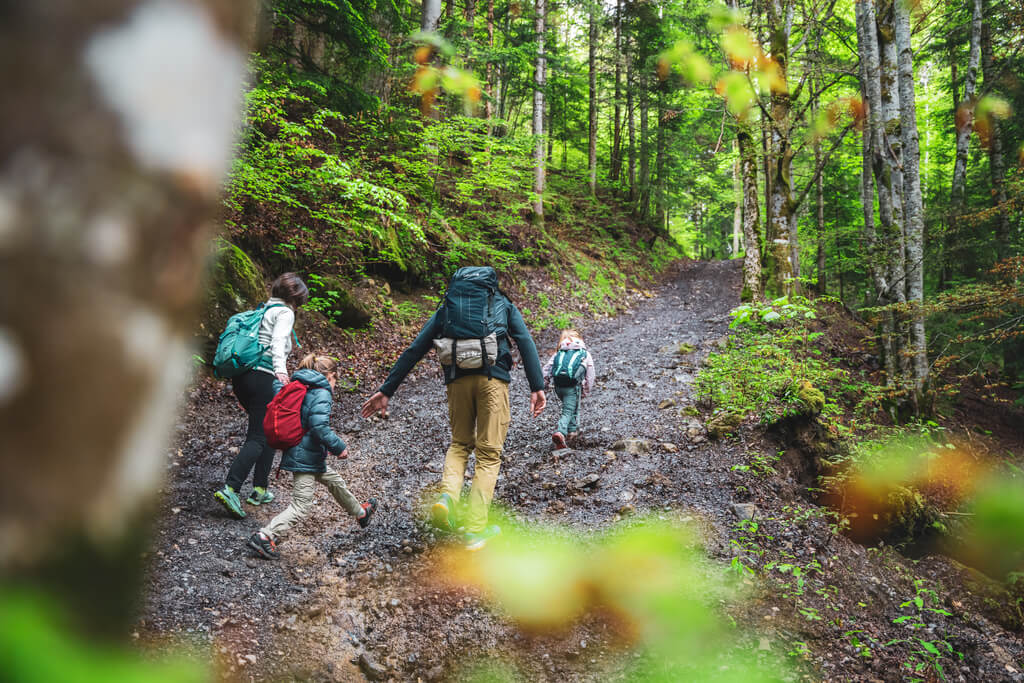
568, 369
239, 348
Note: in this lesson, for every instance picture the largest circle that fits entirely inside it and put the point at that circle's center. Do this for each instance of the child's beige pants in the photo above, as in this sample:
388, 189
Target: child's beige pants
303, 490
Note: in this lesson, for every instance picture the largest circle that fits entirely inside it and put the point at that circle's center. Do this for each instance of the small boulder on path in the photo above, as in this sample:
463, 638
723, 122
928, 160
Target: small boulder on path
632, 446
744, 510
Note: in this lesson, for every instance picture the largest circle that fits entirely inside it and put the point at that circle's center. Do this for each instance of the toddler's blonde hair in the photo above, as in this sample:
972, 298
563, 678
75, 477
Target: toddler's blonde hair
325, 365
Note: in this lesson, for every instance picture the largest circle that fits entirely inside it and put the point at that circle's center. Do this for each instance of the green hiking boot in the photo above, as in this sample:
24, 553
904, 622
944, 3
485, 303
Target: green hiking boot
442, 513
229, 499
477, 541
259, 496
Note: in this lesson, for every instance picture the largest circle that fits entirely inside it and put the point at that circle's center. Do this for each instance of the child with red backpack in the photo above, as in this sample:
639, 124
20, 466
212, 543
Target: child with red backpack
571, 370
314, 383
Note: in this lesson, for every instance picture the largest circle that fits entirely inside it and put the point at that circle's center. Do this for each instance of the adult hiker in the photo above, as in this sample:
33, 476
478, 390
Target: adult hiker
255, 388
471, 332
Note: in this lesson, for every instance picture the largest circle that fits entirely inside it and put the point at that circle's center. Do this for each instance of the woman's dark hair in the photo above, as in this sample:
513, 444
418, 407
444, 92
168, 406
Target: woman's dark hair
291, 288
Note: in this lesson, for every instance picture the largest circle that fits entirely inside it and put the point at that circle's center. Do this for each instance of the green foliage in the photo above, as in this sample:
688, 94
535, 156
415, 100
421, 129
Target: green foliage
771, 367
38, 648
547, 578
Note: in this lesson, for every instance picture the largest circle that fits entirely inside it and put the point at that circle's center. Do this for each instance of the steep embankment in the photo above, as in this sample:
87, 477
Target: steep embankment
345, 602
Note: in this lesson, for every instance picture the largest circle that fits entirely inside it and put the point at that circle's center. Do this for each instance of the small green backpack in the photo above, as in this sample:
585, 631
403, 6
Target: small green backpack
568, 369
239, 348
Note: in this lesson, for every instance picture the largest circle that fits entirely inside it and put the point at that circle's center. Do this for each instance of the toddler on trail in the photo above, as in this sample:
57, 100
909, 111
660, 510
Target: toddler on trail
571, 370
308, 460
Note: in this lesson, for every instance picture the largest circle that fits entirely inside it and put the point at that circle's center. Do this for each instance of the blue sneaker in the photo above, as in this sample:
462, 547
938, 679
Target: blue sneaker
259, 496
477, 541
229, 499
441, 513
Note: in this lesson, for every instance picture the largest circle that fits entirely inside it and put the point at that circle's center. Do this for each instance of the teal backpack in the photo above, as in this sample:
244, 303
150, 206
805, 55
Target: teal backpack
568, 369
239, 348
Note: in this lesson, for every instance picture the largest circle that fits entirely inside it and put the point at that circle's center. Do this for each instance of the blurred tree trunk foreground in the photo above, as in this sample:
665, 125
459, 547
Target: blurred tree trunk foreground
118, 120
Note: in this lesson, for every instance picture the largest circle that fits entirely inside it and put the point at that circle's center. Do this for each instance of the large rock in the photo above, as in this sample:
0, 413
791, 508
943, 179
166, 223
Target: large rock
347, 304
809, 397
235, 284
722, 424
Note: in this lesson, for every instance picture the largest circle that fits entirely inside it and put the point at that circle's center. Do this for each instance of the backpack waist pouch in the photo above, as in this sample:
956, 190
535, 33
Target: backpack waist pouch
468, 354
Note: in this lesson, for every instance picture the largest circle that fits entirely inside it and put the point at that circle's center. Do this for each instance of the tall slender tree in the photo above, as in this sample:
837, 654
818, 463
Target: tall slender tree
539, 158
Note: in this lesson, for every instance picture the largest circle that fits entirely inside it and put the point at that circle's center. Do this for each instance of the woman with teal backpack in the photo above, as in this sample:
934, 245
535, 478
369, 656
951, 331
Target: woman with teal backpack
255, 388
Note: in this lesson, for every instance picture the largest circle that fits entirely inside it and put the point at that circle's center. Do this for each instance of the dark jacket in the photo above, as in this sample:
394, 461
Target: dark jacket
501, 370
310, 455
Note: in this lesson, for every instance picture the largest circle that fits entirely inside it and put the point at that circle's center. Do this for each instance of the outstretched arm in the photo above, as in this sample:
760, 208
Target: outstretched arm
405, 363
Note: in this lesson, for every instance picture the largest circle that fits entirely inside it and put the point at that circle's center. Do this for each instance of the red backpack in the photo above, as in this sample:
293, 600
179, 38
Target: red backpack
283, 422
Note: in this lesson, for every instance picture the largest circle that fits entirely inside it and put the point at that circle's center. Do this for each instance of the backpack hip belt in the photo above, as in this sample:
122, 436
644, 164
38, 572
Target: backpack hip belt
468, 354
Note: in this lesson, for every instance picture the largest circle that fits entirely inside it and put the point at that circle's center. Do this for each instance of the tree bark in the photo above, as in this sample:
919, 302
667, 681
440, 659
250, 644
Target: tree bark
872, 169
632, 129
819, 204
737, 213
661, 160
489, 69
645, 152
432, 15
780, 263
108, 204
996, 161
538, 115
592, 62
913, 203
964, 112
751, 215
615, 170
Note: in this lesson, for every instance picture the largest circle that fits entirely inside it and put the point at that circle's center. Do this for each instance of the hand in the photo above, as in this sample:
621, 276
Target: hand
343, 454
537, 402
378, 403
283, 378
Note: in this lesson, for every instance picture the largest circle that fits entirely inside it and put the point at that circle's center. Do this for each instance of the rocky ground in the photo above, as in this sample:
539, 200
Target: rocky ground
345, 603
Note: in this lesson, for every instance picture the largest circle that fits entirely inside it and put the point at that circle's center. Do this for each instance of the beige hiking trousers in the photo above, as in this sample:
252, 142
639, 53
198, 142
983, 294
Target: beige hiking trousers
479, 413
303, 490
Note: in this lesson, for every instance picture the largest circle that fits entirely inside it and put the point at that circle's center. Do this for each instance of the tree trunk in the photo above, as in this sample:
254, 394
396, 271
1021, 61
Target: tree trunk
489, 69
893, 223
661, 160
819, 204
108, 205
632, 129
616, 161
751, 214
872, 169
538, 116
431, 15
592, 133
996, 162
780, 263
737, 213
913, 203
645, 152
964, 113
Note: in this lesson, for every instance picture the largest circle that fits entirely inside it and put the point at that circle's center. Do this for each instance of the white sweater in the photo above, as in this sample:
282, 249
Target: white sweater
276, 335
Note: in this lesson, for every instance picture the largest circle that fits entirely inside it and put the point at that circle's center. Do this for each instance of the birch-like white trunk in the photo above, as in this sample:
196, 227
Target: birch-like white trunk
431, 15
874, 169
912, 201
538, 116
107, 200
965, 112
592, 60
751, 217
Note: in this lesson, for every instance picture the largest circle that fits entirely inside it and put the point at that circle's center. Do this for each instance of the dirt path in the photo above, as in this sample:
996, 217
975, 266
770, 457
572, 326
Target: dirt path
344, 602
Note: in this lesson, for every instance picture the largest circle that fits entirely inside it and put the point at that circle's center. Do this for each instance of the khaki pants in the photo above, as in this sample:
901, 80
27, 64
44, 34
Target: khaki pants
303, 489
479, 413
